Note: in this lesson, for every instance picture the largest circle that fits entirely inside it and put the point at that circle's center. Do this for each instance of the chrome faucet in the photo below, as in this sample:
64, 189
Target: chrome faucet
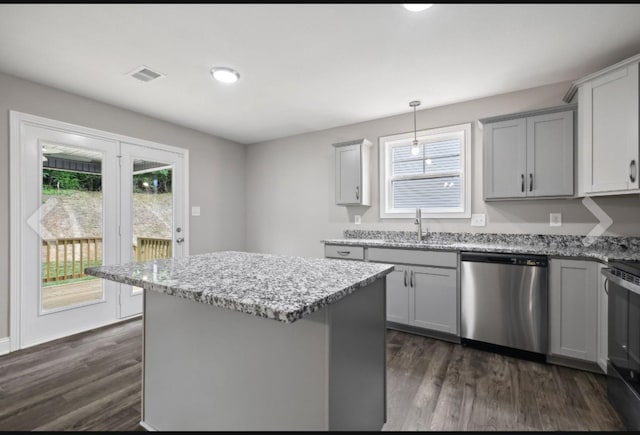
418, 222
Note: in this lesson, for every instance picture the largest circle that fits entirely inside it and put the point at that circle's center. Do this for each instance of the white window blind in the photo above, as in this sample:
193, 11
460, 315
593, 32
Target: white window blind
433, 180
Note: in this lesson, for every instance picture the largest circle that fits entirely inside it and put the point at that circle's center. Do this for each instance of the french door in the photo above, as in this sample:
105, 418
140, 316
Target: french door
152, 207
83, 198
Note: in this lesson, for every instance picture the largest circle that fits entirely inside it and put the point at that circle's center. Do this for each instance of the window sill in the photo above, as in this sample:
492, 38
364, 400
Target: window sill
425, 215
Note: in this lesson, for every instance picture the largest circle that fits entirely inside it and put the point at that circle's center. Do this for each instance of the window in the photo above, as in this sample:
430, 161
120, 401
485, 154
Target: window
437, 180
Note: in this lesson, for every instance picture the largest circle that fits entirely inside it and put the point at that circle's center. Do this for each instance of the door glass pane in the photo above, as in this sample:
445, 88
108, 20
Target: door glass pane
70, 226
152, 211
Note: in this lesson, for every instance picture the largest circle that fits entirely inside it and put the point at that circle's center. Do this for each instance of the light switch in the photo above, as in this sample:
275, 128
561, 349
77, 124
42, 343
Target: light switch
357, 219
195, 211
478, 220
555, 219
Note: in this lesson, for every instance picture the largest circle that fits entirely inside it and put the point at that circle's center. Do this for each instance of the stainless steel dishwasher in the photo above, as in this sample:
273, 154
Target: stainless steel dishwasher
504, 300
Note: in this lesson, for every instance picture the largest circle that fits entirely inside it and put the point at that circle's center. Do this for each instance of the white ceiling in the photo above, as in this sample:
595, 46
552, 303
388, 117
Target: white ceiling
307, 67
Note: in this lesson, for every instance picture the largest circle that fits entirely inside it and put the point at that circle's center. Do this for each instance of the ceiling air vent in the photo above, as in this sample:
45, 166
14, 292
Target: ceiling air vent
145, 74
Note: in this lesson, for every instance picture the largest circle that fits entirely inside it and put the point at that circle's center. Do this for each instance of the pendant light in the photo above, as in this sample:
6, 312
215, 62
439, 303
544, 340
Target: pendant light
415, 148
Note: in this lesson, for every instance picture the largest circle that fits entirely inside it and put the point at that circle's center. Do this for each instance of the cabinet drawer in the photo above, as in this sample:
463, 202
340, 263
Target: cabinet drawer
410, 256
345, 252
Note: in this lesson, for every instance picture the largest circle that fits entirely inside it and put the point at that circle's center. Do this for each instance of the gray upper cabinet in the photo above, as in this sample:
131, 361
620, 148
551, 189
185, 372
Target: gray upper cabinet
550, 154
608, 129
505, 152
529, 154
352, 172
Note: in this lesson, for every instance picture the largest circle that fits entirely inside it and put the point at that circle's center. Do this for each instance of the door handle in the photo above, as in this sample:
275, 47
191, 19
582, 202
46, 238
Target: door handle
180, 240
522, 182
405, 278
530, 182
411, 279
357, 193
632, 171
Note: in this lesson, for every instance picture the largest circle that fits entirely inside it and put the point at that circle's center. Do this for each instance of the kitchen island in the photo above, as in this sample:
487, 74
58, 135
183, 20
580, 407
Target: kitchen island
242, 341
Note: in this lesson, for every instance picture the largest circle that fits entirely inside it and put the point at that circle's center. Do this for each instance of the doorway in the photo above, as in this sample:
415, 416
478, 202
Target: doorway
81, 198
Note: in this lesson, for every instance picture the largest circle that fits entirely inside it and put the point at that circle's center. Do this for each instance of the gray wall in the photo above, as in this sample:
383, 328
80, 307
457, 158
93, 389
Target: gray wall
216, 166
290, 183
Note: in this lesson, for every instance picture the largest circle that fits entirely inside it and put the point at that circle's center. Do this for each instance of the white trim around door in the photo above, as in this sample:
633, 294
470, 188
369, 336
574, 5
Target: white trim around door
5, 345
18, 123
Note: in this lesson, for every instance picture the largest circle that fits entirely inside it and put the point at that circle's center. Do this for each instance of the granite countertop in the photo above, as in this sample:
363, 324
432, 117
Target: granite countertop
604, 248
277, 287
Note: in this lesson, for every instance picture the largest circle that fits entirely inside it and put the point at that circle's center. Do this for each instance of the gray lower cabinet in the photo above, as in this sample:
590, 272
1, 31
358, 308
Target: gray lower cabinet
398, 296
421, 296
422, 291
344, 252
424, 297
603, 319
434, 299
573, 309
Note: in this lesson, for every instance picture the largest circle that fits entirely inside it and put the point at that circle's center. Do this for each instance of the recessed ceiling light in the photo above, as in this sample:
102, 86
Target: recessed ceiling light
224, 74
417, 7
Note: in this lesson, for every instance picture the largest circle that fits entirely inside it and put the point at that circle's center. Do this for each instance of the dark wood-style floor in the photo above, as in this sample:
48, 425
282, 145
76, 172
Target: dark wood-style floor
435, 385
91, 381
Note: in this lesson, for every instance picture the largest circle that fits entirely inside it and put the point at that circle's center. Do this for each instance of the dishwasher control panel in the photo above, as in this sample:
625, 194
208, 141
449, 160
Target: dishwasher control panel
513, 259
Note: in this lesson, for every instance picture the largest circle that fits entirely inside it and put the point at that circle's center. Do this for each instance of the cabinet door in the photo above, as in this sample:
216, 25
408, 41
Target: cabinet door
434, 299
398, 296
603, 320
505, 159
610, 131
550, 155
348, 173
573, 308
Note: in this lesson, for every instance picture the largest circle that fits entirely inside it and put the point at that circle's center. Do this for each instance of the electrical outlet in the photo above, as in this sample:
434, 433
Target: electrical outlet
555, 219
357, 219
478, 220
195, 211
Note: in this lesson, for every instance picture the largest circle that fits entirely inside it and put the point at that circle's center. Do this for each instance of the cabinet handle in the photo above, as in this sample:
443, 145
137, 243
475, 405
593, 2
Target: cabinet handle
344, 252
405, 278
357, 193
606, 286
522, 182
632, 171
530, 182
411, 279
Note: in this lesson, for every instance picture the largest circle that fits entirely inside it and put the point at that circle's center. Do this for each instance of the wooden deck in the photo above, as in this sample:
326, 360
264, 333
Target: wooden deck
62, 295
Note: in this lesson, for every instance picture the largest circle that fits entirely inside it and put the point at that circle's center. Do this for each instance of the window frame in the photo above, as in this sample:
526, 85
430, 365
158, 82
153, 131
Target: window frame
386, 143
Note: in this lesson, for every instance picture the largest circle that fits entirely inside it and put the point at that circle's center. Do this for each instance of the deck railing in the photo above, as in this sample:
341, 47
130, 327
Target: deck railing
151, 249
65, 259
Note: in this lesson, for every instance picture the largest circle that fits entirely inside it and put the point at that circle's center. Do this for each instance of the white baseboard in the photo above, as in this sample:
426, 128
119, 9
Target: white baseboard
148, 427
5, 345
71, 332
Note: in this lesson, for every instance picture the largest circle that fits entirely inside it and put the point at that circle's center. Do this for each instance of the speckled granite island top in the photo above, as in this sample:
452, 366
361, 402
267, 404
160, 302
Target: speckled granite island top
603, 248
277, 287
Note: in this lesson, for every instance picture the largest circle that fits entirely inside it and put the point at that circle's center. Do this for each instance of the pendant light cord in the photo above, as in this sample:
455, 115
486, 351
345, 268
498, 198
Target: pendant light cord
415, 150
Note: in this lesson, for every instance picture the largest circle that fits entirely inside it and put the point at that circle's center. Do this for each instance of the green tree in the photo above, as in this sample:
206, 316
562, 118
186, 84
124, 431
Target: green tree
53, 179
